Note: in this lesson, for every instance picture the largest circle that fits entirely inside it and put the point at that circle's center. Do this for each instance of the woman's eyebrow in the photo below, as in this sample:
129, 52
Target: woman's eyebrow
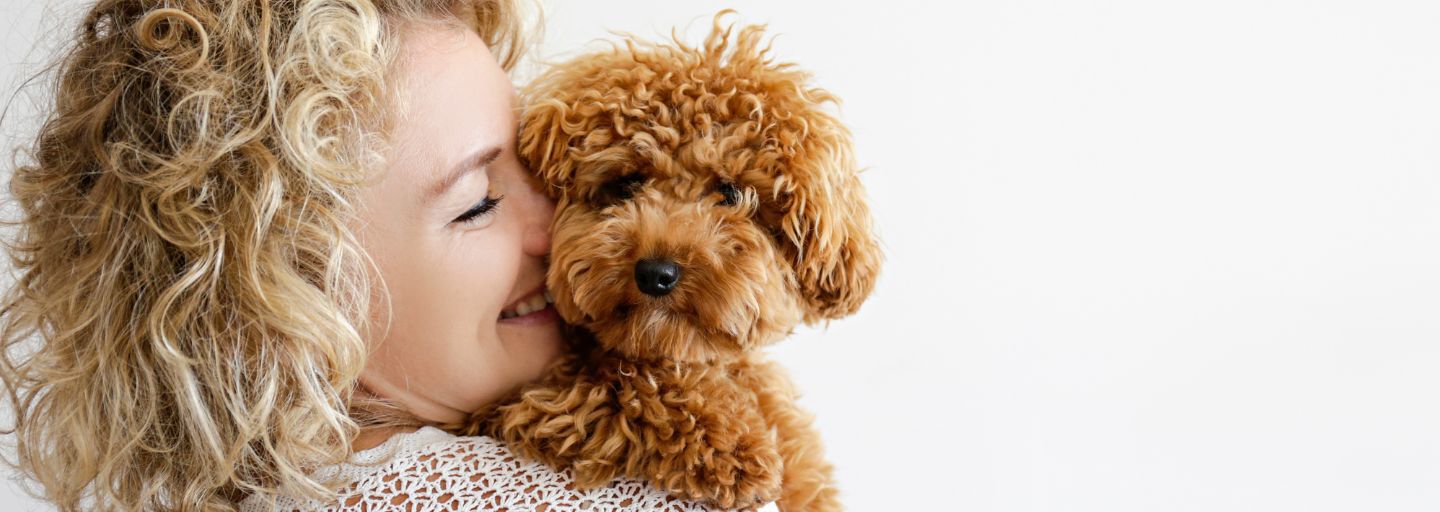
477, 160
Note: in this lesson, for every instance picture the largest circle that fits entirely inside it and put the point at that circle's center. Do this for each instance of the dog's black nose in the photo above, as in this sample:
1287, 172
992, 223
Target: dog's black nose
656, 277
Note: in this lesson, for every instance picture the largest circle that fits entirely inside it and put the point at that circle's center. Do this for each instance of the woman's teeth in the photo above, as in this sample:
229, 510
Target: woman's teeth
528, 305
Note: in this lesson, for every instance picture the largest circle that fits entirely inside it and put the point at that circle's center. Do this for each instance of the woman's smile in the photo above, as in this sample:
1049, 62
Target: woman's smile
534, 308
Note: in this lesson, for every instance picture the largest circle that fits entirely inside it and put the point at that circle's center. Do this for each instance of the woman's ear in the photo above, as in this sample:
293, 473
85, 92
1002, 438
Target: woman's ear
826, 221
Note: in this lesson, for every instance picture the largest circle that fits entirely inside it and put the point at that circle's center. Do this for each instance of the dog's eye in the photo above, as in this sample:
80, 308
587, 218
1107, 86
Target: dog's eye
622, 188
730, 194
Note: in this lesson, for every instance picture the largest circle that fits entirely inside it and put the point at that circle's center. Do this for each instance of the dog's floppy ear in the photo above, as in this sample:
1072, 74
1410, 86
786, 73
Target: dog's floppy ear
544, 141
826, 221
565, 127
563, 124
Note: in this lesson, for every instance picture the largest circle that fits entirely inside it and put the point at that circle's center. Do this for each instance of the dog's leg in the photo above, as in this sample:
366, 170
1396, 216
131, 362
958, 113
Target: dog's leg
689, 431
554, 418
705, 436
808, 484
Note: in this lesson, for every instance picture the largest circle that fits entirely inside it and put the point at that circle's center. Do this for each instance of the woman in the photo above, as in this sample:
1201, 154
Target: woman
266, 247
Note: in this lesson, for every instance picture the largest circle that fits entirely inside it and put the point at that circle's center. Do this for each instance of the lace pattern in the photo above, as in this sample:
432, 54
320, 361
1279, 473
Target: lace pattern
430, 469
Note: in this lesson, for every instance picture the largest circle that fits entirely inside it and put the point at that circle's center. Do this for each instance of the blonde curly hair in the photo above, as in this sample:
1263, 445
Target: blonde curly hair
187, 323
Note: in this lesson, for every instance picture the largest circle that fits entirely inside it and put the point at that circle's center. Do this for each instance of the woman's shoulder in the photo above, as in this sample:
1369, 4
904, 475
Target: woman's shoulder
432, 467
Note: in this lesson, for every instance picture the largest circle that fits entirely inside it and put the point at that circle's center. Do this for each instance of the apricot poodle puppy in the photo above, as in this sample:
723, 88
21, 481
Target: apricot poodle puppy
707, 204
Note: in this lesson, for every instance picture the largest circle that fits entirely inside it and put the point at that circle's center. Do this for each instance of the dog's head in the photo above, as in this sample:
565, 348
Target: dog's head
706, 202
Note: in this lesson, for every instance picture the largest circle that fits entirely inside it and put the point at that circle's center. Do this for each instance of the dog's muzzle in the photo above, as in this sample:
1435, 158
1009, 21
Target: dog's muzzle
656, 277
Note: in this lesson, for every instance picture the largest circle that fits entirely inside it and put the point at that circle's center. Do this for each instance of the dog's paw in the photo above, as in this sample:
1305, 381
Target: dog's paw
747, 477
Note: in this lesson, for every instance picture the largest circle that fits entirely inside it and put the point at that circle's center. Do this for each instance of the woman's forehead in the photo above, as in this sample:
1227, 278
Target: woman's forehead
454, 99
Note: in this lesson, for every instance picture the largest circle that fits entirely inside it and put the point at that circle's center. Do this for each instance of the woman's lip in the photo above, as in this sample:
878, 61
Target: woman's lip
541, 316
526, 295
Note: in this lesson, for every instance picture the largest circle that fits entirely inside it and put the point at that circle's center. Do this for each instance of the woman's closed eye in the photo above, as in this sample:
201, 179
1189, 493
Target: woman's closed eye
481, 211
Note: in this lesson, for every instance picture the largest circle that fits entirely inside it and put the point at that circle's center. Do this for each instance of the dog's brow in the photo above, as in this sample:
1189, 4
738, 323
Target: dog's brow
476, 161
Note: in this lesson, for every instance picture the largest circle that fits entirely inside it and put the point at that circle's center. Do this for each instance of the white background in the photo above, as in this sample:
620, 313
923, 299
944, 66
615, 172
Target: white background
1142, 256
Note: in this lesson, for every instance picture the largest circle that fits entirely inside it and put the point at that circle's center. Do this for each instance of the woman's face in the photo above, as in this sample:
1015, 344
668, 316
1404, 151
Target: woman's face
459, 234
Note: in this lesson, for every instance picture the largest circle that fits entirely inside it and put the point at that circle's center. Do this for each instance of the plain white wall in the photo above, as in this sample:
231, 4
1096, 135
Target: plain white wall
1179, 256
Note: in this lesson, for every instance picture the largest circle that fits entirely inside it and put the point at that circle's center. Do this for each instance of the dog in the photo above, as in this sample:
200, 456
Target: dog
706, 204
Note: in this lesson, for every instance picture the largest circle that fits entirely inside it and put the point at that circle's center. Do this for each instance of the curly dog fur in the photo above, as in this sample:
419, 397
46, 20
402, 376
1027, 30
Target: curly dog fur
725, 163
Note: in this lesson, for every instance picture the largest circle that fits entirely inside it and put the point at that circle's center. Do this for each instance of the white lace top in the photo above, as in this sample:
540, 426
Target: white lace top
431, 469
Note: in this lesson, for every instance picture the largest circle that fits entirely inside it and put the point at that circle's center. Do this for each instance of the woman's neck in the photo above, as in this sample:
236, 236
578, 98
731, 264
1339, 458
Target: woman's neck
373, 436
379, 419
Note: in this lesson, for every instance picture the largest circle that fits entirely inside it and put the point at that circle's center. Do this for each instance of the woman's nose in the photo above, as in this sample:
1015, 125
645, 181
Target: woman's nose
537, 224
